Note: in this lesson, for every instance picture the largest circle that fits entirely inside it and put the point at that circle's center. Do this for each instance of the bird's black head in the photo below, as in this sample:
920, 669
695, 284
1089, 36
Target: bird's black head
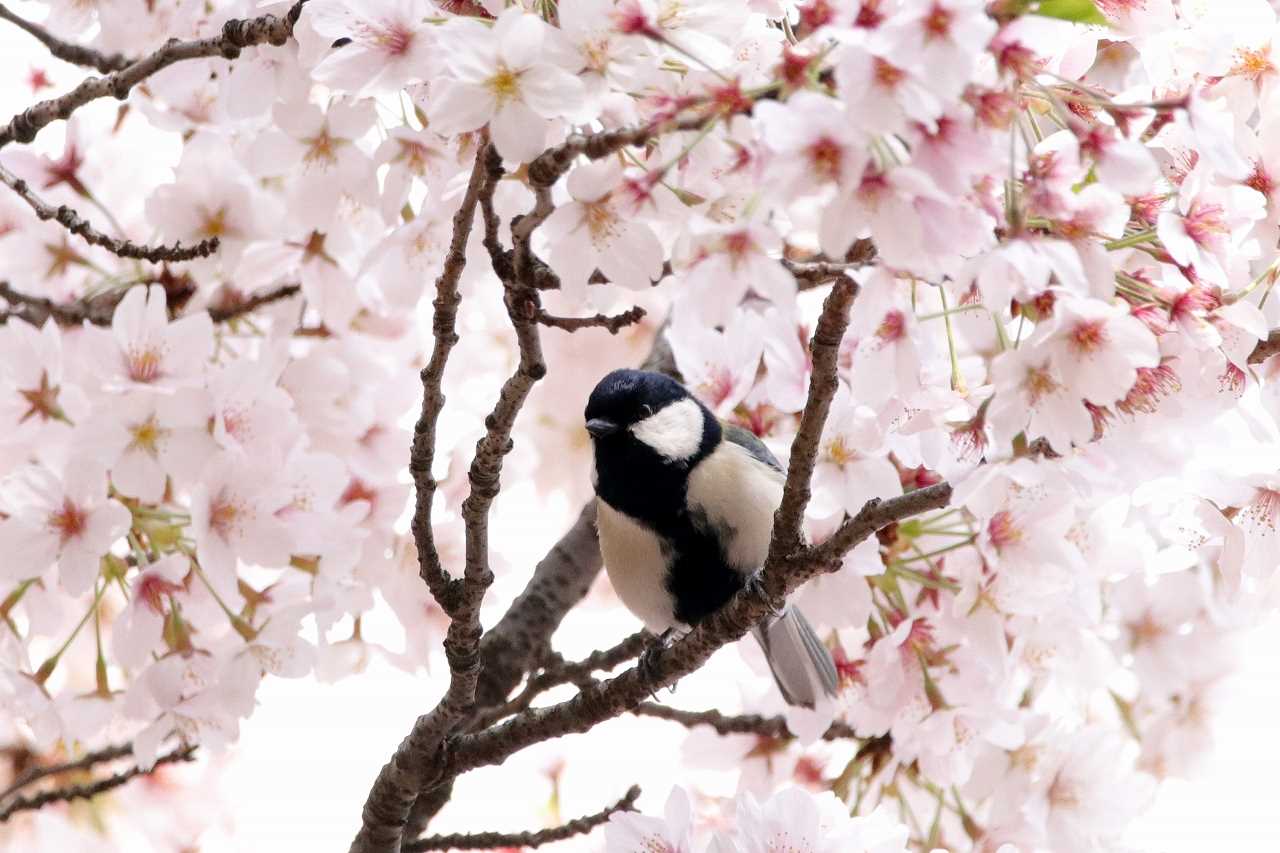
649, 416
625, 397
648, 432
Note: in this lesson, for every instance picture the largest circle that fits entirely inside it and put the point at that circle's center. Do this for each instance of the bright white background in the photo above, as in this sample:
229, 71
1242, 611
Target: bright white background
305, 760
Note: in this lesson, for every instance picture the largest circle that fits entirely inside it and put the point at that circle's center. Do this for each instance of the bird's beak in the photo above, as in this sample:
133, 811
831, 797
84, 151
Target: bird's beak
600, 427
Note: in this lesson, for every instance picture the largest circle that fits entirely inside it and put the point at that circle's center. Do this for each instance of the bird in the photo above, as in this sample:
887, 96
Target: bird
684, 510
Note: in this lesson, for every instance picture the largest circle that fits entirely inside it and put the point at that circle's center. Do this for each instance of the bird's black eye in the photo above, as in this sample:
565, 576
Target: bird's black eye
648, 410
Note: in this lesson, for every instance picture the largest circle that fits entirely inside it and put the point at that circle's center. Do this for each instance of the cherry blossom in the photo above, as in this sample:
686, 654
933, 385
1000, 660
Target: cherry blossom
502, 79
632, 833
144, 351
593, 232
67, 519
384, 44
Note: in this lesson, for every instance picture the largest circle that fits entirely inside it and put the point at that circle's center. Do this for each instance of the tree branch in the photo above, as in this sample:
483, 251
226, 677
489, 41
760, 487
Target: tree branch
253, 302
73, 222
741, 724
413, 767
92, 789
237, 33
1266, 348
564, 672
98, 310
494, 840
65, 50
612, 322
823, 382
618, 695
35, 774
444, 332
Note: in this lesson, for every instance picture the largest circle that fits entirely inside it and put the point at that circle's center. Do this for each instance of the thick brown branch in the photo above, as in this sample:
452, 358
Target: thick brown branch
613, 322
73, 222
618, 695
494, 840
66, 51
741, 724
811, 274
823, 382
35, 774
237, 33
91, 789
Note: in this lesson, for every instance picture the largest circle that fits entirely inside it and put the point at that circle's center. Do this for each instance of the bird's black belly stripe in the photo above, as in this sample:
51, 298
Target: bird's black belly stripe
699, 578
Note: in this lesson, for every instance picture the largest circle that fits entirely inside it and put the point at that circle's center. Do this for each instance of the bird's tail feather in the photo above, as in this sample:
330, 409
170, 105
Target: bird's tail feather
801, 664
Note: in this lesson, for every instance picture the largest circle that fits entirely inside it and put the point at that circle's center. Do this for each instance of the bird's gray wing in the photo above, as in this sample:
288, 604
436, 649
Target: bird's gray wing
747, 440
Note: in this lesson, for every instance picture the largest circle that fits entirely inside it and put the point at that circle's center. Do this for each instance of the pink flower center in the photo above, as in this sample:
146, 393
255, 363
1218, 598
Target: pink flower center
1260, 179
1039, 383
825, 158
1253, 64
887, 75
225, 513
504, 84
1003, 530
1264, 509
1152, 386
1088, 337
394, 39
68, 522
1204, 223
737, 245
937, 24
892, 327
151, 590
717, 387
145, 364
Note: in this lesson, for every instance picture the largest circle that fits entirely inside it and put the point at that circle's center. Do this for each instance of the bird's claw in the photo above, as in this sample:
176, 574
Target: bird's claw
754, 586
649, 658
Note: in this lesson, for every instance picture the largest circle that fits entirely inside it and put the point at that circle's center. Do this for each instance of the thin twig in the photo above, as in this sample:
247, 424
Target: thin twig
548, 167
91, 789
238, 308
99, 308
613, 322
444, 331
565, 672
110, 753
73, 222
518, 840
66, 51
823, 383
414, 765
740, 724
1266, 348
237, 33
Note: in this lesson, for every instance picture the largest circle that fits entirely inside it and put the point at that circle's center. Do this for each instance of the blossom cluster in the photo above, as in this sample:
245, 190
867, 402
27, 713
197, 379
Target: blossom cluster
1064, 234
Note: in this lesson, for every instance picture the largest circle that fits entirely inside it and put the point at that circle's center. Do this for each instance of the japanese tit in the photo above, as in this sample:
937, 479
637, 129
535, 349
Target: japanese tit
685, 509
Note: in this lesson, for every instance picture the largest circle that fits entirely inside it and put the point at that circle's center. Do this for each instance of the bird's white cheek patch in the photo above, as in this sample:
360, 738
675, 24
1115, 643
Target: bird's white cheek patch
674, 431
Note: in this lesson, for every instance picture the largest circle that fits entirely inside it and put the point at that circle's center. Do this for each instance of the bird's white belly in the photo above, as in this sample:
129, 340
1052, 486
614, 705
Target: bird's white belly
637, 567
